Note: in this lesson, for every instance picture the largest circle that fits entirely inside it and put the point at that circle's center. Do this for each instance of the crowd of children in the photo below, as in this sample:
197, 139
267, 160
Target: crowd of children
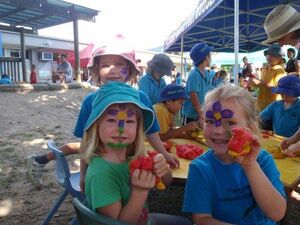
220, 188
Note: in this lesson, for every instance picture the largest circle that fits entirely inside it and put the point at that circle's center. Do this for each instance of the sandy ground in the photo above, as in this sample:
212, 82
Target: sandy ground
27, 122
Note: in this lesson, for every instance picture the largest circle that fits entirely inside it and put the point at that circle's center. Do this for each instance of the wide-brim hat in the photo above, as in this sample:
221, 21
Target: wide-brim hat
281, 20
162, 64
119, 47
289, 85
116, 93
199, 52
172, 92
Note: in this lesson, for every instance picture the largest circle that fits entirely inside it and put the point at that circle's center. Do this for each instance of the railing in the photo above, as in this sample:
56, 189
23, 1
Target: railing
12, 67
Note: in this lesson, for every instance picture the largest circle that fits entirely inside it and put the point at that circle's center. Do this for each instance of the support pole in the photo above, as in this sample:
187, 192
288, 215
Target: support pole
23, 54
236, 41
181, 58
76, 49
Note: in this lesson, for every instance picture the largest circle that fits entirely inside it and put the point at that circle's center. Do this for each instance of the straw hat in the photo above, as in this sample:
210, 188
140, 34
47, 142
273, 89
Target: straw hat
281, 20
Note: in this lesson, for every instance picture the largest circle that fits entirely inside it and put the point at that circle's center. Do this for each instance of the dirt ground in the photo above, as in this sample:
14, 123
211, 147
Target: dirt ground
27, 122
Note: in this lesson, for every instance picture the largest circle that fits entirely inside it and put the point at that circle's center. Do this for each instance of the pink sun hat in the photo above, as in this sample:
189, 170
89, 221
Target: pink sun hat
121, 47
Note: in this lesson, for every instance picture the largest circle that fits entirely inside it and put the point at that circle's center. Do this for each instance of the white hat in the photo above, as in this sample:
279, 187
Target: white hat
281, 20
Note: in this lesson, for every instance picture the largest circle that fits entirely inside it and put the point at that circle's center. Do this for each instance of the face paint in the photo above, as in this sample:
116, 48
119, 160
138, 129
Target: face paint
118, 145
125, 72
121, 116
217, 114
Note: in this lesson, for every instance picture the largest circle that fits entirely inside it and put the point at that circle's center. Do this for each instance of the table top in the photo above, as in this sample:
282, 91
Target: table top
289, 167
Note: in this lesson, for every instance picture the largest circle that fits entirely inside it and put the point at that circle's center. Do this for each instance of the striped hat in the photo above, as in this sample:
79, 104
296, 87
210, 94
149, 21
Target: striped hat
281, 20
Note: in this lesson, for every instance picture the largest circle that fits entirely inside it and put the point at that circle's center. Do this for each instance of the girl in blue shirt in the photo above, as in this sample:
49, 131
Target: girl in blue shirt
221, 189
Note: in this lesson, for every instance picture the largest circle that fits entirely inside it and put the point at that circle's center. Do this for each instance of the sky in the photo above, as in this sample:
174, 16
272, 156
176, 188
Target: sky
146, 23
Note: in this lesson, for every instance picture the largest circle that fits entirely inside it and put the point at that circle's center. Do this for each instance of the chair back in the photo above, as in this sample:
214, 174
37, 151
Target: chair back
63, 174
62, 167
86, 216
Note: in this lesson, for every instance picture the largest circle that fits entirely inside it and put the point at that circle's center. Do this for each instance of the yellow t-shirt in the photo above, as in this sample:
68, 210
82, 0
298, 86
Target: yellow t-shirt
270, 75
164, 117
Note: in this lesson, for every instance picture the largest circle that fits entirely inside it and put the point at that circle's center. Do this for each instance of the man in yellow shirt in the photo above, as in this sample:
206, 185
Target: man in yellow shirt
171, 99
269, 77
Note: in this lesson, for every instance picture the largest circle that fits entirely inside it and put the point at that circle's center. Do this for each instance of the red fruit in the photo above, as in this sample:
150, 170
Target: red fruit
188, 151
240, 143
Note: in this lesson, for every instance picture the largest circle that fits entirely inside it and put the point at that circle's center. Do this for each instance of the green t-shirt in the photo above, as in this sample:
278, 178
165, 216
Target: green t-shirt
107, 182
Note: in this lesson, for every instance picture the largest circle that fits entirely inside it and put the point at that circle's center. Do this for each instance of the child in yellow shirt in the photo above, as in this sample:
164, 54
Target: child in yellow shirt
171, 99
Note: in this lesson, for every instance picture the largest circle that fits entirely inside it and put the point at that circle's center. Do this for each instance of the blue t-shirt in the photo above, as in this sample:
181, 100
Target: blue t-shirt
86, 109
200, 84
223, 191
286, 122
151, 87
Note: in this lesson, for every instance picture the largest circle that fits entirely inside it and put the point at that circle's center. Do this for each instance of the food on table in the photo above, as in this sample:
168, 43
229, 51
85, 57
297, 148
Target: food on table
168, 145
188, 151
278, 155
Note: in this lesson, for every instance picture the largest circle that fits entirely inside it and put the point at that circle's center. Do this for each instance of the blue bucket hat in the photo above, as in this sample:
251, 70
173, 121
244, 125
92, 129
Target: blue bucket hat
172, 92
116, 93
289, 85
199, 52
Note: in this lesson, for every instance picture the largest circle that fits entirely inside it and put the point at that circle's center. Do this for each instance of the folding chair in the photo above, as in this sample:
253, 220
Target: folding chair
70, 182
88, 217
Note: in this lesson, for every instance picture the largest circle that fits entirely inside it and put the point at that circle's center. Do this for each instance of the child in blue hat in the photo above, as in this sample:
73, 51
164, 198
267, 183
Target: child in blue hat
113, 62
171, 99
198, 83
282, 112
114, 134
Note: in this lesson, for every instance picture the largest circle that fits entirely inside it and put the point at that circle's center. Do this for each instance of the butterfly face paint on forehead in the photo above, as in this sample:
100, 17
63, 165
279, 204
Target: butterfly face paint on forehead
217, 114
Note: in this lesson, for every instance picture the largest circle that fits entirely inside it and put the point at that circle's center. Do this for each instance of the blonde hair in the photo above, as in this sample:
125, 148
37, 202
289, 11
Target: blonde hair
242, 97
93, 144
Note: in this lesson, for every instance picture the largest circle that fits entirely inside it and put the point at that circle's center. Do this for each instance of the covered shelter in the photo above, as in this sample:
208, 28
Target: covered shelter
220, 23
28, 16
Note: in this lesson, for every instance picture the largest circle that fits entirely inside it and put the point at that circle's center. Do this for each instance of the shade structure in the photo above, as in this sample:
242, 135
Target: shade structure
212, 22
84, 56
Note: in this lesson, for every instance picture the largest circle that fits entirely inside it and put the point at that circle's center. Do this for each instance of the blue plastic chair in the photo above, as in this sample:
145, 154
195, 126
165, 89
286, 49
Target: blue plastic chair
88, 217
70, 182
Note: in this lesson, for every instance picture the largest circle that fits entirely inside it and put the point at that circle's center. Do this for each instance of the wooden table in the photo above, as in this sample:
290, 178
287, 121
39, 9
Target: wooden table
289, 167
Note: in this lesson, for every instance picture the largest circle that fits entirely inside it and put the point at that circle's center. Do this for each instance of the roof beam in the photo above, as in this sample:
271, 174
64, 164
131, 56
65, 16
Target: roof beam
17, 10
15, 29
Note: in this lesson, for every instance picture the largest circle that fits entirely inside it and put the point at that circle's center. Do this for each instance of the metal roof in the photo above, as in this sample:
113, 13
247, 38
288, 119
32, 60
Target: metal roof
38, 14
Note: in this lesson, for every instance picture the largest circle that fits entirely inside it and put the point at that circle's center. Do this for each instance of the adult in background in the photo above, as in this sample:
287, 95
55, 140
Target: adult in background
269, 77
198, 83
152, 82
64, 71
282, 25
292, 65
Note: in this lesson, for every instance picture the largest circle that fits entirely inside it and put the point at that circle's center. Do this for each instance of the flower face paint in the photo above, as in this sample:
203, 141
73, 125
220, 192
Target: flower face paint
121, 117
217, 114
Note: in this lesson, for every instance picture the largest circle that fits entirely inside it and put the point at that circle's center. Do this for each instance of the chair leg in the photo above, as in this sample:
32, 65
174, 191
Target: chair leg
74, 221
55, 207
